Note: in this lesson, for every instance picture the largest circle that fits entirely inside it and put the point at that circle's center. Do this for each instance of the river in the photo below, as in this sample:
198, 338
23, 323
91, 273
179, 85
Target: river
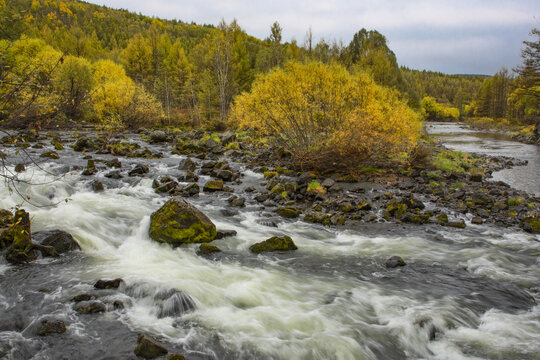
464, 294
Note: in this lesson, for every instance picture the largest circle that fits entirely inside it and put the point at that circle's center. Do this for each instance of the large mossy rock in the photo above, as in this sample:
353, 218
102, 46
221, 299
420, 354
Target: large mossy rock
178, 222
17, 239
276, 243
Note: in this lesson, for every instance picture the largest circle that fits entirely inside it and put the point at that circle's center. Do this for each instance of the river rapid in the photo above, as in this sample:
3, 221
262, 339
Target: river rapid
464, 294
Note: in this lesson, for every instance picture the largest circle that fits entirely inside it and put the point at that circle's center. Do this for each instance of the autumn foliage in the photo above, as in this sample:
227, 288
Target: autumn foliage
327, 117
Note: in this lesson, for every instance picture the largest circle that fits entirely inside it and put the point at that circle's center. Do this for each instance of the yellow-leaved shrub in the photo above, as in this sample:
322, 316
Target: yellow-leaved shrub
326, 117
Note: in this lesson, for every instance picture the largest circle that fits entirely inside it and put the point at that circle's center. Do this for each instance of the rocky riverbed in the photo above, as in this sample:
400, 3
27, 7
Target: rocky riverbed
114, 183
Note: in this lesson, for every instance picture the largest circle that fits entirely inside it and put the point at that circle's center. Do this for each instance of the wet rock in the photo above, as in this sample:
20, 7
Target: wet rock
267, 222
118, 304
228, 212
52, 327
178, 222
90, 168
261, 197
158, 136
148, 348
442, 219
114, 163
414, 203
208, 249
90, 307
164, 184
190, 177
84, 144
20, 168
191, 190
288, 213
115, 174
187, 164
396, 208
394, 262
176, 357
317, 217
82, 297
345, 207
213, 186
364, 206
338, 219
236, 201
59, 240
50, 155
477, 220
97, 186
305, 178
460, 224
221, 234
108, 284
173, 302
139, 169
416, 218
275, 243
270, 174
17, 241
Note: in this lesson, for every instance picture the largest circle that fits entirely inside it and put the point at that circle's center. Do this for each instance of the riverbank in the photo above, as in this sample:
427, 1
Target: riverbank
242, 301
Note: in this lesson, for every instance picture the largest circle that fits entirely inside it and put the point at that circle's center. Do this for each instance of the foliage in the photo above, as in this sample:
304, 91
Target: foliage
434, 111
327, 117
454, 161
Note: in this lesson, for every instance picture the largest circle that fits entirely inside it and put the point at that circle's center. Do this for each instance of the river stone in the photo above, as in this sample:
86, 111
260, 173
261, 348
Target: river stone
221, 234
52, 327
108, 284
178, 222
148, 348
275, 243
139, 169
394, 262
59, 240
208, 249
187, 164
90, 307
287, 212
213, 185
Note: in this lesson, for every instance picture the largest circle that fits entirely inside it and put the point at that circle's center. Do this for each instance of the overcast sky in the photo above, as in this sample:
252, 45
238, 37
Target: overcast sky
460, 36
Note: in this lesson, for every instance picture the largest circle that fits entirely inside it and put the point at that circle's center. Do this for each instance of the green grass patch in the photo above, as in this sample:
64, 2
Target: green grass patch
454, 161
515, 201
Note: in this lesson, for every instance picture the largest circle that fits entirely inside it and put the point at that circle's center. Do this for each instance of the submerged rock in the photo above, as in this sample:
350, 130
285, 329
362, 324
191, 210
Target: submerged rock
275, 243
221, 234
394, 262
174, 302
52, 327
148, 348
108, 284
90, 307
206, 248
178, 222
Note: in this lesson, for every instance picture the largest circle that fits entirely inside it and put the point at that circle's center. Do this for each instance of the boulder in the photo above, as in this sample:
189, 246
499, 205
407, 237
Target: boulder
90, 307
317, 217
187, 164
59, 240
191, 190
148, 348
17, 241
108, 284
275, 243
139, 169
213, 186
178, 222
90, 168
221, 234
394, 262
84, 144
158, 136
50, 155
288, 213
20, 168
97, 186
206, 248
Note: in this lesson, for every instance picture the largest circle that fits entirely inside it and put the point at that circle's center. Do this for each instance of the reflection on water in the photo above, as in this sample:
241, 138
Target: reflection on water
458, 137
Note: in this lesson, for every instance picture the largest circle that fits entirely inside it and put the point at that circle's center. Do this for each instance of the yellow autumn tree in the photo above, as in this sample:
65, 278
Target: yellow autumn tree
118, 100
327, 117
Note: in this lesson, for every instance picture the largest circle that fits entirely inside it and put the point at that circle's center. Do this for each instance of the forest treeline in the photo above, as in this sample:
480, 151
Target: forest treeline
71, 61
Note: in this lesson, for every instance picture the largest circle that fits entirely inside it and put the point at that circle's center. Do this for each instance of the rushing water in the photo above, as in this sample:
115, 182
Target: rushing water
459, 137
466, 294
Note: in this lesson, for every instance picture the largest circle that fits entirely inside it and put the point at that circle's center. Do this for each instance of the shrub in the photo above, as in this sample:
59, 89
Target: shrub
327, 117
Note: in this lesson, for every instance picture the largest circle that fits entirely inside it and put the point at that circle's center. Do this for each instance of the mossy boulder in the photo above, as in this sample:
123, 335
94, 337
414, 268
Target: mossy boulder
178, 222
17, 240
396, 208
287, 212
213, 186
315, 188
275, 243
84, 144
50, 155
206, 248
270, 174
317, 217
90, 168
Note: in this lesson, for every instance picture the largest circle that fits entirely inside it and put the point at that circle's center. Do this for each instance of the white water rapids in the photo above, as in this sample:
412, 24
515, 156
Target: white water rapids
331, 299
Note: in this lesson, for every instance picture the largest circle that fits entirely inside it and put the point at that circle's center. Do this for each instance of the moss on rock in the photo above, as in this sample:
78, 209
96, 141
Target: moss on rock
275, 243
178, 222
50, 155
16, 239
287, 212
206, 248
213, 186
317, 217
